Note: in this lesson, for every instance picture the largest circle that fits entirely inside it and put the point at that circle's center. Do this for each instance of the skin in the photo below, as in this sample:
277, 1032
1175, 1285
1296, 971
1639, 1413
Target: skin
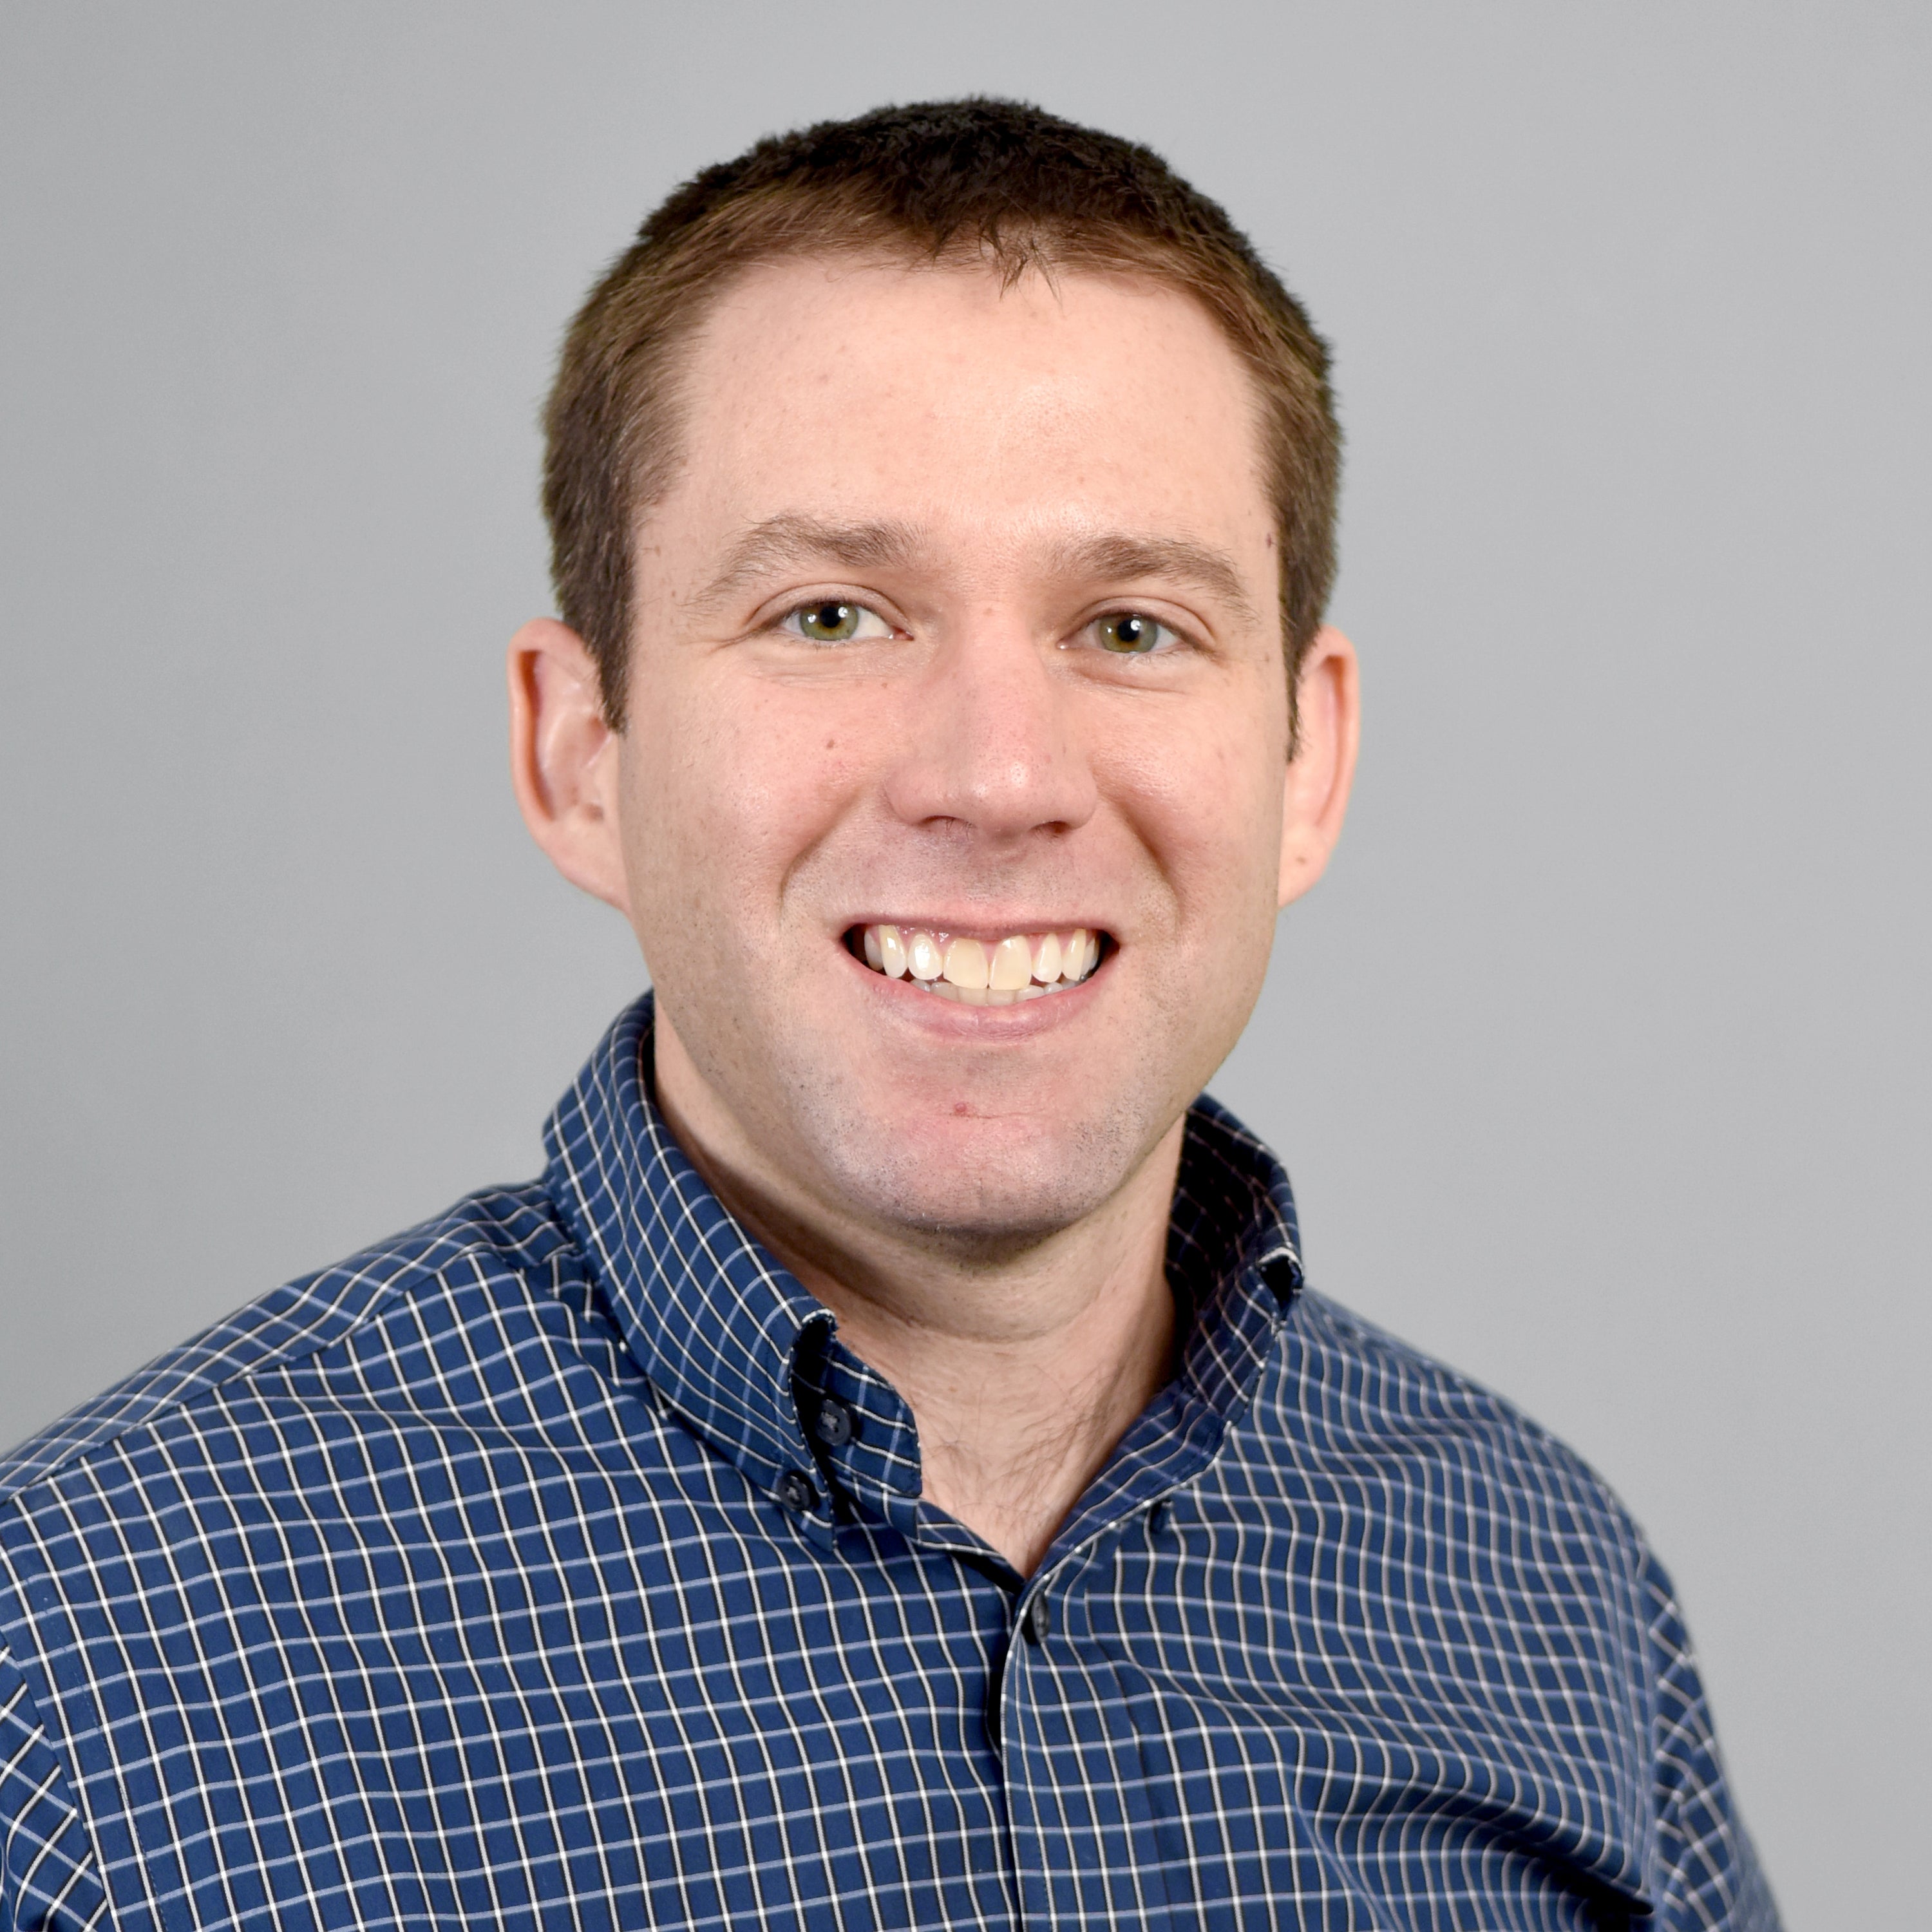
980, 1194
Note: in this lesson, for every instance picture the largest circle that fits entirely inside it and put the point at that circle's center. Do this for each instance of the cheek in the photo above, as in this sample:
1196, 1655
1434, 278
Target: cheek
730, 787
1205, 802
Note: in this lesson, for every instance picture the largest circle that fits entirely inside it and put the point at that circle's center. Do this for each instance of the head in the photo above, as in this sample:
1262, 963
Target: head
942, 506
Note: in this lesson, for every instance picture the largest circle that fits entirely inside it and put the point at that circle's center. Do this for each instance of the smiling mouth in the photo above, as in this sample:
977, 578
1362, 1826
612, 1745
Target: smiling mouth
977, 972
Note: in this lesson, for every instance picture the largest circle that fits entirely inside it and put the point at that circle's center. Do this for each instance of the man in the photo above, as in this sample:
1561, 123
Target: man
889, 1470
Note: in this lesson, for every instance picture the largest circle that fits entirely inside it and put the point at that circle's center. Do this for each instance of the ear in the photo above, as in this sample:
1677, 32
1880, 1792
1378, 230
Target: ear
1315, 794
564, 758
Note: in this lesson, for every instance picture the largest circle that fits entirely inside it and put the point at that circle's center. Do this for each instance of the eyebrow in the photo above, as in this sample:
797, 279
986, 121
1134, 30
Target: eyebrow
781, 542
1177, 559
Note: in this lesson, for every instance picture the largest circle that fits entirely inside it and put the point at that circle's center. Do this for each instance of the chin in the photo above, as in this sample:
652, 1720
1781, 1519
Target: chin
976, 1186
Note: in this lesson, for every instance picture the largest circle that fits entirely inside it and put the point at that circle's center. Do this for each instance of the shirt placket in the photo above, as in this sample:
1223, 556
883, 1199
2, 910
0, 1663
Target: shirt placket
1089, 1796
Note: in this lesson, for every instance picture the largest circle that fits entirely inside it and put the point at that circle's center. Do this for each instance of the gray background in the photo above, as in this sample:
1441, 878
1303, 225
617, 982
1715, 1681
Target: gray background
1601, 1060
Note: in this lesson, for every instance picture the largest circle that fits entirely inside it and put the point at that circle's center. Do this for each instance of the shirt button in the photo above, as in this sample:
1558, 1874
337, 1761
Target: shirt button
1037, 1625
835, 1425
1283, 1273
795, 1492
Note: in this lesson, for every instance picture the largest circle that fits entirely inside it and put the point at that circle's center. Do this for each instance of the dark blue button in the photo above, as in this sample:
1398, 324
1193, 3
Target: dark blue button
1037, 1625
796, 1492
1283, 1273
835, 1425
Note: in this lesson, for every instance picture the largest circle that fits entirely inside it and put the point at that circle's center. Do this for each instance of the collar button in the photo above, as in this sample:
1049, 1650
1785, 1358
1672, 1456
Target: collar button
835, 1425
1283, 1273
797, 1491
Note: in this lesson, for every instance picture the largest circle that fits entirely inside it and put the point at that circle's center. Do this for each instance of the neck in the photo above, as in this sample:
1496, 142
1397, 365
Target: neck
1023, 1371
1022, 1378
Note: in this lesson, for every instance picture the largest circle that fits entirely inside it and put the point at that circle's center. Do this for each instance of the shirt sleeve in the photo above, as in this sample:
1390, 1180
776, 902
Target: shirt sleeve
1709, 1874
48, 1879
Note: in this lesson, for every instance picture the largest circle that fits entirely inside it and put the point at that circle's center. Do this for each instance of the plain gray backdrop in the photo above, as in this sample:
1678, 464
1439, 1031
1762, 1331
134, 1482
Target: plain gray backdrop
1599, 1059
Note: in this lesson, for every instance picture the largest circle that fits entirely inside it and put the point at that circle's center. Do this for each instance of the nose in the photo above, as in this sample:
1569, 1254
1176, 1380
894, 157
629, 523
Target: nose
993, 745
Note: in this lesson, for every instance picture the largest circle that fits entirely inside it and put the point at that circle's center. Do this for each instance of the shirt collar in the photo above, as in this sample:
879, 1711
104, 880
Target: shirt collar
732, 1341
713, 1320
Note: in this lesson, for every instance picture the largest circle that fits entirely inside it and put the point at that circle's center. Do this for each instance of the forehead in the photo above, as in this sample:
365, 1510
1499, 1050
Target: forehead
941, 397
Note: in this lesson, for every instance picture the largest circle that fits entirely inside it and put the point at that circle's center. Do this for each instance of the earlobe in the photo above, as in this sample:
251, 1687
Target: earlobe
1315, 791
564, 758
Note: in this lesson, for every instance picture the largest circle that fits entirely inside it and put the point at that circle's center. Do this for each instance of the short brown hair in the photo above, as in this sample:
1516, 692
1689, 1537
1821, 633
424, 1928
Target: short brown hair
996, 181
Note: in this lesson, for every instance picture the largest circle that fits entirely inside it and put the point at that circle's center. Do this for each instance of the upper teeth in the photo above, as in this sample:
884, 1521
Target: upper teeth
1023, 966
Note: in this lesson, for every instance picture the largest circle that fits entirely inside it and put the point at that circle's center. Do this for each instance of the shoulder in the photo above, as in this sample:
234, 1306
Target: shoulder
490, 1248
1357, 1394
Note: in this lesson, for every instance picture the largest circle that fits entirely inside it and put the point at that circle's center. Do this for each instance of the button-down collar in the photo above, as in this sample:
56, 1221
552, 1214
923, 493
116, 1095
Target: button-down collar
749, 1358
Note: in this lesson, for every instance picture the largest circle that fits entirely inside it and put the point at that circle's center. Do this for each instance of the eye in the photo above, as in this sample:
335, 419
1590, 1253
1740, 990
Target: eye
832, 622
1132, 633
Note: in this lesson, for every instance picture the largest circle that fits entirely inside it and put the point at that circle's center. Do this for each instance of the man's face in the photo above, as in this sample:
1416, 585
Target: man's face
960, 619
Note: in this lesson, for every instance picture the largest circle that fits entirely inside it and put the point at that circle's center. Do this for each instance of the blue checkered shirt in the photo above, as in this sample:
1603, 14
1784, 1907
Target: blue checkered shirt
555, 1564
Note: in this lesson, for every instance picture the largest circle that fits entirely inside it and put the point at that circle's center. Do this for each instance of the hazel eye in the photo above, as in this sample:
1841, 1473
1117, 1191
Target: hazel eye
1131, 633
834, 622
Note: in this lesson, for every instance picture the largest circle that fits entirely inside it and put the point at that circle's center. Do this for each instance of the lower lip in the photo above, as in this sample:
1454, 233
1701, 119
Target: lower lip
907, 1002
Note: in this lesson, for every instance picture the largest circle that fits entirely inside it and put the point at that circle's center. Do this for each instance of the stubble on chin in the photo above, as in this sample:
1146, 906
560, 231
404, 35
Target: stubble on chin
977, 1190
